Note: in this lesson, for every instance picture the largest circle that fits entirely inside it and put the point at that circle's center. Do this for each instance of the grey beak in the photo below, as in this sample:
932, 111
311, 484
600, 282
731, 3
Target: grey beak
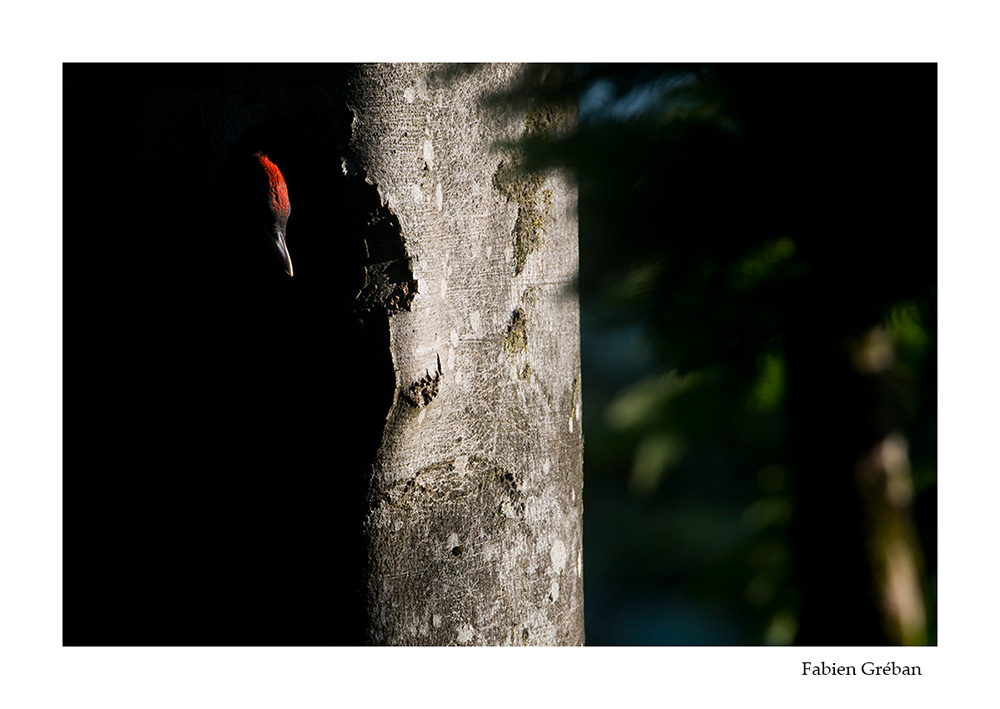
278, 242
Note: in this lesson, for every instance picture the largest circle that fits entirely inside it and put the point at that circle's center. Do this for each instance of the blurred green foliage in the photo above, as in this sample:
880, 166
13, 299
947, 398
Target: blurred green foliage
728, 213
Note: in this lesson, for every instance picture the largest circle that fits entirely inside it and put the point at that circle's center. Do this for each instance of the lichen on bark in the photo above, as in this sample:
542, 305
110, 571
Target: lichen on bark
524, 187
533, 208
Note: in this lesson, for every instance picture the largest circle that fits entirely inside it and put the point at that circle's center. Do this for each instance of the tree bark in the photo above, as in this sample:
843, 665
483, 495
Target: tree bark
474, 526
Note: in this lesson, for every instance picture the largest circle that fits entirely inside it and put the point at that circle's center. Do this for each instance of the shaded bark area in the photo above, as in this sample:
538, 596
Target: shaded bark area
219, 415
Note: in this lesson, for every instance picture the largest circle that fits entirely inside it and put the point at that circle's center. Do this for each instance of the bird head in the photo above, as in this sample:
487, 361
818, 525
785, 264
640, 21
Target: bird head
279, 208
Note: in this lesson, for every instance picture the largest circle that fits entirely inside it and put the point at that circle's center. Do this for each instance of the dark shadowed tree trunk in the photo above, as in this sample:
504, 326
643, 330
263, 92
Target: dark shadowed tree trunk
383, 448
859, 556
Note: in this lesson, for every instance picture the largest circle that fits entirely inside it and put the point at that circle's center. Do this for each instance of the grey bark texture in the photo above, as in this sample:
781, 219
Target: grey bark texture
475, 522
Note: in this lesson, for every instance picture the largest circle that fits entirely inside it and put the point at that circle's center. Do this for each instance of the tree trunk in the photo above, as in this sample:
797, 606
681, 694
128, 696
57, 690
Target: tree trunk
859, 559
474, 529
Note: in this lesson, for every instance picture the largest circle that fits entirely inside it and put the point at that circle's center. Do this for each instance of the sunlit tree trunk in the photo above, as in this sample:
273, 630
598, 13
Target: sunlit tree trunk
474, 527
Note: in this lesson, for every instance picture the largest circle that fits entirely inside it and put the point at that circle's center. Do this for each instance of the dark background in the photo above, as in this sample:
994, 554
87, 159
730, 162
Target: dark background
741, 228
745, 232
218, 414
